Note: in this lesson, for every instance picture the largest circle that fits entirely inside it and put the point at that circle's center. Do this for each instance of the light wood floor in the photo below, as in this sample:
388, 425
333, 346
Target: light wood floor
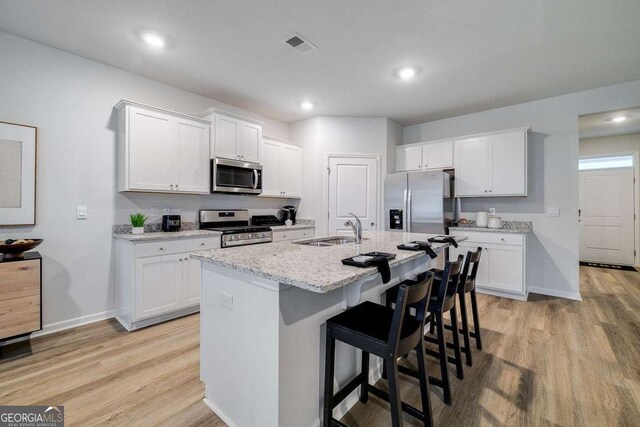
546, 362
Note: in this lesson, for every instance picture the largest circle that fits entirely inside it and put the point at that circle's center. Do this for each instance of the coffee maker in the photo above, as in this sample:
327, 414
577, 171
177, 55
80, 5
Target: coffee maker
289, 213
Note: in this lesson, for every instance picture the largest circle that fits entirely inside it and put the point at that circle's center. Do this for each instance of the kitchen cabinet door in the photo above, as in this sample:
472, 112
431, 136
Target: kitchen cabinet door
192, 158
437, 155
158, 286
291, 167
151, 150
504, 268
473, 167
226, 137
408, 158
271, 160
508, 165
191, 278
249, 136
483, 274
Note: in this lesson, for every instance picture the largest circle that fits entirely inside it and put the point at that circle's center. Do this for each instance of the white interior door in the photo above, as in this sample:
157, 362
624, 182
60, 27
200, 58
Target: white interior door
353, 187
607, 231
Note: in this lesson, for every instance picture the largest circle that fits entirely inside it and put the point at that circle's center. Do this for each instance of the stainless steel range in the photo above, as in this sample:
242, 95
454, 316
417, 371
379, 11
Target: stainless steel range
235, 227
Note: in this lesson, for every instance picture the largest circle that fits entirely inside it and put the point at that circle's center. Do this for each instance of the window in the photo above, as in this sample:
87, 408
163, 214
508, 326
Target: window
606, 163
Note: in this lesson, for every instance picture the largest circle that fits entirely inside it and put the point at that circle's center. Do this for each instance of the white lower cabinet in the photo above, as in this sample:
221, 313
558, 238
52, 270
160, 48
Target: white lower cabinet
157, 281
284, 235
502, 269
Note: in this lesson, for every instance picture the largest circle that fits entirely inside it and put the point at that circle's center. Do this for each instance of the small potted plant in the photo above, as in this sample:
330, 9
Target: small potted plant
137, 223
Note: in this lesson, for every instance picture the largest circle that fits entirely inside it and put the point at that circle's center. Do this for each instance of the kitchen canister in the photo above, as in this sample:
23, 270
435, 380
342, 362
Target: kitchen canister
495, 222
482, 219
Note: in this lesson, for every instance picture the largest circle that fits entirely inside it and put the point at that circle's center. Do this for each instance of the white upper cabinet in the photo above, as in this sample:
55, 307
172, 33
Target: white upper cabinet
291, 170
235, 138
281, 168
408, 158
428, 156
193, 146
161, 151
271, 158
473, 167
437, 155
492, 165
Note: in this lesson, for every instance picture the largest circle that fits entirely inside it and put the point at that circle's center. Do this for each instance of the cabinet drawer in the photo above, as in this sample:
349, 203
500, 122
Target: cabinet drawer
19, 279
490, 237
176, 246
19, 316
282, 235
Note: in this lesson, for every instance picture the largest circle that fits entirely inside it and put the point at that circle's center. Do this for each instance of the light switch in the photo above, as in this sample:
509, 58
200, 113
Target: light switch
81, 212
226, 300
553, 211
492, 211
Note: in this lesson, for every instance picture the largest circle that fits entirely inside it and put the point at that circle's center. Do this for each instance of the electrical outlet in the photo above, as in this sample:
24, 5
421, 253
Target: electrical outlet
553, 211
226, 300
492, 211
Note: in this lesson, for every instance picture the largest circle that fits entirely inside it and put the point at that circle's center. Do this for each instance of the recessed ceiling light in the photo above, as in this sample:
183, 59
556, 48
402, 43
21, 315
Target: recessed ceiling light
619, 119
407, 73
153, 39
306, 105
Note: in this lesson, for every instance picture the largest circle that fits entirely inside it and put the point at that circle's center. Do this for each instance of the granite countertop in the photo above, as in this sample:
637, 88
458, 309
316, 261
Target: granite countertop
514, 227
317, 269
166, 235
292, 227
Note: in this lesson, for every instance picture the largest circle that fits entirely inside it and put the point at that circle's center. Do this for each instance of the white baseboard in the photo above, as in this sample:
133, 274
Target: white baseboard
218, 412
555, 293
73, 323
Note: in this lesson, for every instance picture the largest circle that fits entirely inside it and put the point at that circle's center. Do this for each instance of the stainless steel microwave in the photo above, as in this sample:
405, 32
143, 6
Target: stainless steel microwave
235, 176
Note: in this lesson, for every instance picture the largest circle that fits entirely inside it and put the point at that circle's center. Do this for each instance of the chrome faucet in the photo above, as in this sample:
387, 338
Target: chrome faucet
357, 228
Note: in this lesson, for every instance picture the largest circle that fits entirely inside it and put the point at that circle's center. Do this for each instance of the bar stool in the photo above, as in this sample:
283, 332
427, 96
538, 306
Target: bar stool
446, 283
387, 333
468, 286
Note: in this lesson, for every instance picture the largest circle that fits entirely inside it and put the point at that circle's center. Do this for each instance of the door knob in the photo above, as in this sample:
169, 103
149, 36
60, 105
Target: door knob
372, 224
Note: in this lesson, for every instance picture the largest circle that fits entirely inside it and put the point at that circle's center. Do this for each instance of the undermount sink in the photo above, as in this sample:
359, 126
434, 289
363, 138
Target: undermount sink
327, 241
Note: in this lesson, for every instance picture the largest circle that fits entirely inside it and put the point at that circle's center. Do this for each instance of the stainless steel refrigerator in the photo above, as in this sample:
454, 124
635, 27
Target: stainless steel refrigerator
415, 201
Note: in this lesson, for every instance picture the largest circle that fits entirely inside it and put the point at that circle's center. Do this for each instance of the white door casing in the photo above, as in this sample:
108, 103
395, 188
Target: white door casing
607, 225
353, 187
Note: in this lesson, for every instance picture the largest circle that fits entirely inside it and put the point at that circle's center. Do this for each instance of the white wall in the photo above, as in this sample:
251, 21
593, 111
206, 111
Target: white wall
70, 99
321, 136
553, 174
610, 145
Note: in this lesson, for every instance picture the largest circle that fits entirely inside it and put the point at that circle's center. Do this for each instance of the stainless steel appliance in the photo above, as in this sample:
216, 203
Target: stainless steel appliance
414, 201
235, 176
171, 222
235, 227
289, 213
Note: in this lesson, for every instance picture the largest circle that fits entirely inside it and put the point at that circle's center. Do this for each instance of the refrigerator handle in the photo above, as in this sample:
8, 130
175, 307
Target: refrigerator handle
409, 211
405, 211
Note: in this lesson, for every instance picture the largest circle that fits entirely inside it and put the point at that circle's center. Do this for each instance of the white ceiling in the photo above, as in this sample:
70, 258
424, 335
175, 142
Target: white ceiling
474, 55
599, 125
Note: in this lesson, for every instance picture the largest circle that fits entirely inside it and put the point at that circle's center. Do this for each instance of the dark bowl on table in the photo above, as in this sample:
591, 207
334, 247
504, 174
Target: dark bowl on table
17, 250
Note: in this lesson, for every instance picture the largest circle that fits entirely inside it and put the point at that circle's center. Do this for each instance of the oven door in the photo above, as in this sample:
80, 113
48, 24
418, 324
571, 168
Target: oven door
235, 176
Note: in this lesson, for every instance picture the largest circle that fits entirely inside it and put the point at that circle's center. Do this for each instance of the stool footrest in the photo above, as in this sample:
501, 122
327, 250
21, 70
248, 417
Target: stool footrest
414, 412
335, 422
346, 390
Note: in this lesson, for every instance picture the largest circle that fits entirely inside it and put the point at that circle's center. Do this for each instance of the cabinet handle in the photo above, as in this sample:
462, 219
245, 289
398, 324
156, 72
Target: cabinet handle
502, 240
171, 185
490, 191
202, 244
162, 249
485, 191
176, 186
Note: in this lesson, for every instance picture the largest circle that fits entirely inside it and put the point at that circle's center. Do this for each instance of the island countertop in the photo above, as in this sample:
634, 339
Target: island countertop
317, 269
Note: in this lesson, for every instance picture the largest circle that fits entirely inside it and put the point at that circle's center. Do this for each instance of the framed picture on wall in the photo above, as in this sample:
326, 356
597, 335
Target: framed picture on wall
18, 162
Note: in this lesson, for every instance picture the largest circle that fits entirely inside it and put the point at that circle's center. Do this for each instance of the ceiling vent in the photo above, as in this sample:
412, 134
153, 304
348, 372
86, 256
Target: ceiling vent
299, 44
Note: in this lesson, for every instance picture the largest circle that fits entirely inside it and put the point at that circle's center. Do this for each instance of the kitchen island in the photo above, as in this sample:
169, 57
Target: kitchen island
263, 312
